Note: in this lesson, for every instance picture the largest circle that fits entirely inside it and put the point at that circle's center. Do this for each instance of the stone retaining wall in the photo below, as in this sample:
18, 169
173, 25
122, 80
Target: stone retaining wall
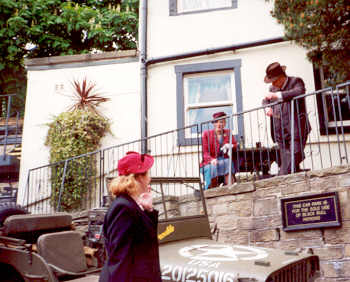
250, 213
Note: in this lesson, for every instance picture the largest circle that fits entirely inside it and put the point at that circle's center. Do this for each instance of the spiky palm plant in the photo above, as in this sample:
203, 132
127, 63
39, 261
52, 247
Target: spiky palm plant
86, 96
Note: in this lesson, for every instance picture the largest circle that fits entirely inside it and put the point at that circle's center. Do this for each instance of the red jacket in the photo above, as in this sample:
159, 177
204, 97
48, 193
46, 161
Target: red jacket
211, 145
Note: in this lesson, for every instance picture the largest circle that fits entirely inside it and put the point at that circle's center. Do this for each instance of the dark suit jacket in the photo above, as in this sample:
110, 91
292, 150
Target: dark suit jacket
131, 242
281, 121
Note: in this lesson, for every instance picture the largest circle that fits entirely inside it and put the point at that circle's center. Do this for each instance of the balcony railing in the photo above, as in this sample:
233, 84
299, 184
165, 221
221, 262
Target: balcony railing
257, 154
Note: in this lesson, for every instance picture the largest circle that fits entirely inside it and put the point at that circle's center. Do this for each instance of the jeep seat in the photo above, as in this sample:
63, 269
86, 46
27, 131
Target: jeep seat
31, 226
64, 252
15, 224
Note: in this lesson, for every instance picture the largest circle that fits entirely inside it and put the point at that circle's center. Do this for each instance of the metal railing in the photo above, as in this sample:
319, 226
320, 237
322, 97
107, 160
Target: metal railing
255, 156
50, 188
10, 129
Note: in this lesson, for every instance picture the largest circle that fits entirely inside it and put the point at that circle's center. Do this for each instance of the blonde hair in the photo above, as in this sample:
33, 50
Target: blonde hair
124, 184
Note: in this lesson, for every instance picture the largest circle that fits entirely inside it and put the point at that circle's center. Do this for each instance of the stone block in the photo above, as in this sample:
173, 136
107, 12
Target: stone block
320, 185
269, 192
347, 251
343, 181
328, 269
265, 235
233, 236
273, 221
241, 208
237, 188
220, 209
265, 207
330, 252
295, 188
336, 269
245, 223
344, 169
226, 222
289, 245
302, 234
335, 236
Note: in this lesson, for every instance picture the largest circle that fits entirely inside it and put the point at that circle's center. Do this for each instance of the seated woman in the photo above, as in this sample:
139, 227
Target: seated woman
215, 142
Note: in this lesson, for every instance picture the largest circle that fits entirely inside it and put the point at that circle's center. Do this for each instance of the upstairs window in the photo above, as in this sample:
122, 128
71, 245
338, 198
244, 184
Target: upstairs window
177, 7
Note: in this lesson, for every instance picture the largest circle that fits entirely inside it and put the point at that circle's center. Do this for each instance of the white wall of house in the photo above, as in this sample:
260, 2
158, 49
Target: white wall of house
250, 21
49, 93
162, 79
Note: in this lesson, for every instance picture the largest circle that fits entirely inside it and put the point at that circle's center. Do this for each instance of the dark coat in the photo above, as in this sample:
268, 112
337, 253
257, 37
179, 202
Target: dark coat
131, 242
281, 121
211, 145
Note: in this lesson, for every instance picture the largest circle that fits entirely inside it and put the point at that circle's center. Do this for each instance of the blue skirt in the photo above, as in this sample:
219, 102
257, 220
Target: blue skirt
220, 169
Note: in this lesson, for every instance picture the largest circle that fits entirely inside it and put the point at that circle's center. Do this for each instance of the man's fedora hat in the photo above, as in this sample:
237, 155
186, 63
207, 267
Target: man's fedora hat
273, 71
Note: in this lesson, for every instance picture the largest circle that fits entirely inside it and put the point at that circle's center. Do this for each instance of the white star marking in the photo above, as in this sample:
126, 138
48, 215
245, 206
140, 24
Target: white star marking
222, 252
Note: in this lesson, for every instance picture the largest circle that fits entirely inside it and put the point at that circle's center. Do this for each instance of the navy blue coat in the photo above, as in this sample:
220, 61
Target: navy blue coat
131, 242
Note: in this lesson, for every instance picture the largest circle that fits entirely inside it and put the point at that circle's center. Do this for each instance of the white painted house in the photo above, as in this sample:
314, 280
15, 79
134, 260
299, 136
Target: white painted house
195, 58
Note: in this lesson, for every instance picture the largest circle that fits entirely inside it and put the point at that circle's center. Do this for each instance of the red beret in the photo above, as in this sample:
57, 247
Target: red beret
134, 163
219, 114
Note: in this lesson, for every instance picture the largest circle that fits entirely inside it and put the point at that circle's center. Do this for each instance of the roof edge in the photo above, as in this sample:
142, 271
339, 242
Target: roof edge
55, 60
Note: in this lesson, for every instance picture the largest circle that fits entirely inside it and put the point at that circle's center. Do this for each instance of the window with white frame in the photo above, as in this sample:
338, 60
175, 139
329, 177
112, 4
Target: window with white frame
206, 88
207, 93
193, 6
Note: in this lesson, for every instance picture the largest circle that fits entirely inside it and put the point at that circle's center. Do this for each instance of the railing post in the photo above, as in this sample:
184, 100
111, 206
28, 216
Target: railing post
62, 186
102, 176
6, 123
230, 151
292, 149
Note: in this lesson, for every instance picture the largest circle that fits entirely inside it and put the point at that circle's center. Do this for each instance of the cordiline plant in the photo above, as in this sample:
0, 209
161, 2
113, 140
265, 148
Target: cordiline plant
76, 132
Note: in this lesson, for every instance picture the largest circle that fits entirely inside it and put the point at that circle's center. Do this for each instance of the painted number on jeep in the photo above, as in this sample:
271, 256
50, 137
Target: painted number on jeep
192, 274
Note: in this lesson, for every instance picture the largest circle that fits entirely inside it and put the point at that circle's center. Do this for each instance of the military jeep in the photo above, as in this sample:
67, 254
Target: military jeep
47, 248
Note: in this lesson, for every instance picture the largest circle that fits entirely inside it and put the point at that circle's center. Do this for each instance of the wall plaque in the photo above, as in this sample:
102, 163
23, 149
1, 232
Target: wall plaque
311, 211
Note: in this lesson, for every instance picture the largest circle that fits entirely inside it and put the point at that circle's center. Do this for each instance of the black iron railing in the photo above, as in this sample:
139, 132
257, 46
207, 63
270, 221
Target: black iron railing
256, 154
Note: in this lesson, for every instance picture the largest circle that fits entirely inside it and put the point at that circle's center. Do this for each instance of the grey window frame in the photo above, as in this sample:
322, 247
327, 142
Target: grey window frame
173, 8
182, 70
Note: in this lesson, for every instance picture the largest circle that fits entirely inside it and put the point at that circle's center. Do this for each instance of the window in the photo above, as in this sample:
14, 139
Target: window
177, 7
333, 105
206, 88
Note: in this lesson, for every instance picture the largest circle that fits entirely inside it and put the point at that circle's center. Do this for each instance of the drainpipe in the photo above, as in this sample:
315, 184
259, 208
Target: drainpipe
143, 73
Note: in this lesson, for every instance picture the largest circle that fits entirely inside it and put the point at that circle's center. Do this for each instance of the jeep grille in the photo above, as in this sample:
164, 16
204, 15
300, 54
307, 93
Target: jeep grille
301, 271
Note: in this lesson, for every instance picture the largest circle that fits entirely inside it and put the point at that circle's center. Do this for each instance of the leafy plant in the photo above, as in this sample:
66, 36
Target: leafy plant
323, 28
74, 133
42, 28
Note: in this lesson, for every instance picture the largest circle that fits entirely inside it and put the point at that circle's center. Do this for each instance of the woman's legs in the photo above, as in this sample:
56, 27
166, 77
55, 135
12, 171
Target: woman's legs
223, 168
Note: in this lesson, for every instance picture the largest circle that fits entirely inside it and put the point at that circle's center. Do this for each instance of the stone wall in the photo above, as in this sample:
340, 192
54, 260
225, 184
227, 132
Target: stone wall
250, 213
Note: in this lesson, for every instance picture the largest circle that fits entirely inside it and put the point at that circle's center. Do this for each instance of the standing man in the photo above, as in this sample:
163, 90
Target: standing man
283, 89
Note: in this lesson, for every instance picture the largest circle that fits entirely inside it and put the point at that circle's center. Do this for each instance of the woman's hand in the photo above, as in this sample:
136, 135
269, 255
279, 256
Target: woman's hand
146, 200
214, 161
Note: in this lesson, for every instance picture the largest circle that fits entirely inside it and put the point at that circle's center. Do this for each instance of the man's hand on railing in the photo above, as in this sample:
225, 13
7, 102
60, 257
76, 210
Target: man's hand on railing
269, 111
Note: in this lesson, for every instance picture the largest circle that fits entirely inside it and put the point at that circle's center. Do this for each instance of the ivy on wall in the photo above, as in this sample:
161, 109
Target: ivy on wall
73, 133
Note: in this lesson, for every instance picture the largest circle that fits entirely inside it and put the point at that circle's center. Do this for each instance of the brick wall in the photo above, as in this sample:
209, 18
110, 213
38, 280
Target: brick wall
250, 213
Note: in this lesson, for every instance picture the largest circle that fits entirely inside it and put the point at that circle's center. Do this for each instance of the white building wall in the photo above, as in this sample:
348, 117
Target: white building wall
162, 79
49, 93
250, 21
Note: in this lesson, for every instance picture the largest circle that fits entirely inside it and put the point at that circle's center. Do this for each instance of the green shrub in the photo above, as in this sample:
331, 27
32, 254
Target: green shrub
72, 134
